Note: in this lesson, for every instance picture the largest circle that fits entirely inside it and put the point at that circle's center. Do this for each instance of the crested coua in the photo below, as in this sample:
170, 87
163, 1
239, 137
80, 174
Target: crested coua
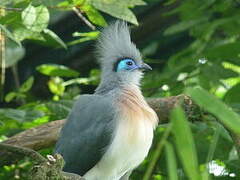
109, 133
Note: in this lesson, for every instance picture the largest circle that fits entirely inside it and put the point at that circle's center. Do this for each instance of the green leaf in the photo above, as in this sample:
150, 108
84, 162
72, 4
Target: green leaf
92, 34
226, 52
115, 8
171, 162
232, 95
42, 19
35, 18
53, 38
9, 35
56, 86
57, 70
21, 33
86, 37
27, 85
29, 16
10, 96
213, 105
93, 15
185, 143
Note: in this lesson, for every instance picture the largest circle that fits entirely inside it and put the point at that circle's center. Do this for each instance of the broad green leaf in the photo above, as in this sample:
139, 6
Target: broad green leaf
9, 35
213, 105
226, 52
29, 16
171, 162
93, 15
42, 19
35, 18
57, 70
115, 8
14, 53
232, 95
10, 96
231, 66
21, 33
27, 85
53, 38
56, 86
185, 143
218, 72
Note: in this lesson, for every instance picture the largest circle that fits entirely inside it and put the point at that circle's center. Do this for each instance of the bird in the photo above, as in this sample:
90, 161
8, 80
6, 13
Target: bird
109, 133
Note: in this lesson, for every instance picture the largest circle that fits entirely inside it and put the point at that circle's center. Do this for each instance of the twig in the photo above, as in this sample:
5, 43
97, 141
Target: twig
79, 14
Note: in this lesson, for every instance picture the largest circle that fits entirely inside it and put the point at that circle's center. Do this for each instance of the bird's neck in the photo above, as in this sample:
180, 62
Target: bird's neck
110, 86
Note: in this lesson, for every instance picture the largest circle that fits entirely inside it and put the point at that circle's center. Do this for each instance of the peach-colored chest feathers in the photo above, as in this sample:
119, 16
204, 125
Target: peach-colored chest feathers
132, 138
134, 107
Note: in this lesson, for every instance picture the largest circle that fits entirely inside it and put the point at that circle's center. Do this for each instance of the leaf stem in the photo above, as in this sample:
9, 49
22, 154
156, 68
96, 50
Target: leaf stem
84, 19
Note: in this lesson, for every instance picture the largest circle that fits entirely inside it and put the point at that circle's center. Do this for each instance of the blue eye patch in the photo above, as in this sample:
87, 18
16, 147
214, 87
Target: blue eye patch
126, 64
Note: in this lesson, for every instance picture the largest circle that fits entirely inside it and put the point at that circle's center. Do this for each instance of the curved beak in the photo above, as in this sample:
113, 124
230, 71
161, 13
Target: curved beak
145, 66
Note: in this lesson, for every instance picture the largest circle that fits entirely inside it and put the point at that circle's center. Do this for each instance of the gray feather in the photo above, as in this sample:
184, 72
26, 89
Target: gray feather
86, 134
114, 44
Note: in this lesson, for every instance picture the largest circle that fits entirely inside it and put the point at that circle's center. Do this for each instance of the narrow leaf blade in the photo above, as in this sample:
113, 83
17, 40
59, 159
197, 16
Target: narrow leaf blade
171, 162
213, 105
185, 143
57, 70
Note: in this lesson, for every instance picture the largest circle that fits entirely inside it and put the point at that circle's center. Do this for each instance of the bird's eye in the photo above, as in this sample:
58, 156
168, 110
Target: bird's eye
129, 63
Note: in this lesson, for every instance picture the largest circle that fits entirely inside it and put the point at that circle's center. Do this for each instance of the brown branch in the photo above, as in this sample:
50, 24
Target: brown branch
46, 135
23, 152
43, 168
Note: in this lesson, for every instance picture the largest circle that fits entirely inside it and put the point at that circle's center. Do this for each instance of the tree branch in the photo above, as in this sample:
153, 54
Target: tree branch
43, 168
46, 135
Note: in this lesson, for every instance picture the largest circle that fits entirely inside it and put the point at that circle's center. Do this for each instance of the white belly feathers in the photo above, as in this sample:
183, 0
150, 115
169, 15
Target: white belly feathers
131, 141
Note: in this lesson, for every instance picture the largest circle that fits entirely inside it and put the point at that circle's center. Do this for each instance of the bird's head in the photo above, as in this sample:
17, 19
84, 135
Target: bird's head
120, 60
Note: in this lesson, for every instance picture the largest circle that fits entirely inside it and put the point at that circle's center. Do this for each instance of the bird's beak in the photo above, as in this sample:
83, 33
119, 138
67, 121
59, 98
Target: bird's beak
145, 66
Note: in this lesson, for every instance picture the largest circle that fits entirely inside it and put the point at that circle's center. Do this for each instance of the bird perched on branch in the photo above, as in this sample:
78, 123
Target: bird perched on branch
109, 133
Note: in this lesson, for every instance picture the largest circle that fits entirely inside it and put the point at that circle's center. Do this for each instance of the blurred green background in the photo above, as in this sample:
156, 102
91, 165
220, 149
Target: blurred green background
193, 46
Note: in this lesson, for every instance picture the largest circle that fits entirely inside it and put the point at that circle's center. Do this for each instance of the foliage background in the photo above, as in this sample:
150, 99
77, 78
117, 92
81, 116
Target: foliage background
193, 47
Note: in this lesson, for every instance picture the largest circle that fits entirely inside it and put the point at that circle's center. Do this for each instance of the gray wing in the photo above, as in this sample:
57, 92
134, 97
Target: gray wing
86, 134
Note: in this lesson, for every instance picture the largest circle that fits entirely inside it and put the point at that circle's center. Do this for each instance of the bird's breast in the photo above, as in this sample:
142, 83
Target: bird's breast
132, 138
134, 131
